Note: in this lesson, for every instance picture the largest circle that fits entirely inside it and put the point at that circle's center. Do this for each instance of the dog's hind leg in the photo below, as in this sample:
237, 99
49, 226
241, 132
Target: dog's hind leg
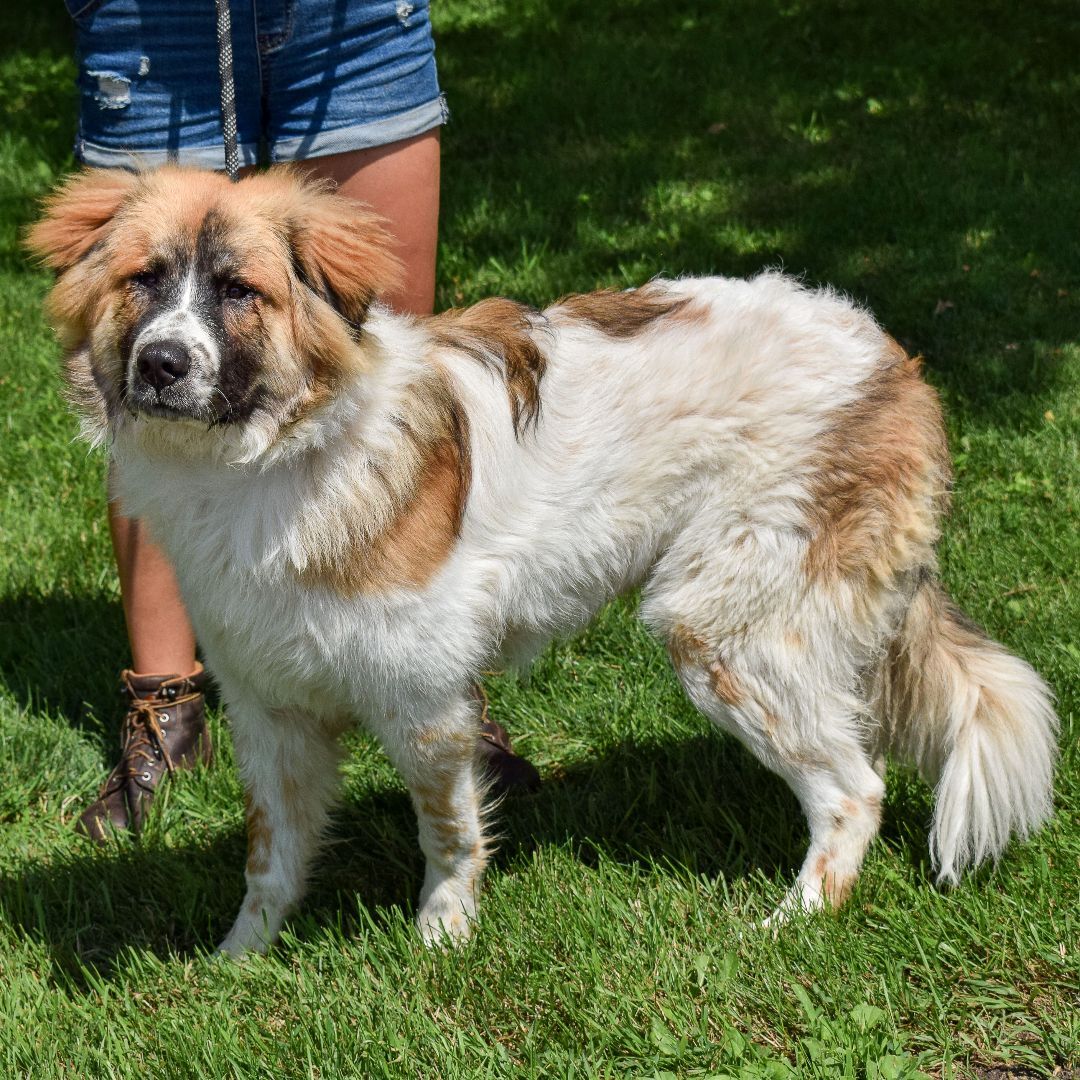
289, 766
435, 752
776, 693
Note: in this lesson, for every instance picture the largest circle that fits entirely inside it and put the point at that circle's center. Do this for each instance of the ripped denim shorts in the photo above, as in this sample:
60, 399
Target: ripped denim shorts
313, 77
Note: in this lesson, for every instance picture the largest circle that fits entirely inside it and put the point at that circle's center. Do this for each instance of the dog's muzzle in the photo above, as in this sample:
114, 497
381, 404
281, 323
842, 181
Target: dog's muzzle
165, 381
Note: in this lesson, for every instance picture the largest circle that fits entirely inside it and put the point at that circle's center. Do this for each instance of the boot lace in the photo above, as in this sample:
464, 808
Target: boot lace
142, 743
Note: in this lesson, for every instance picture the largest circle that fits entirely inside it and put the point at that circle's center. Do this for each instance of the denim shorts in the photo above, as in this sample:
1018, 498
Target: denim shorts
313, 77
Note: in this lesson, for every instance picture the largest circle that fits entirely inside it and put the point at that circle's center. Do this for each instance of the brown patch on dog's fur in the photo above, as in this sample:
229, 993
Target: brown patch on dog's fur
499, 332
695, 314
685, 647
835, 888
622, 314
449, 836
880, 482
343, 246
434, 804
688, 650
838, 889
258, 838
724, 683
419, 536
433, 799
770, 725
928, 655
292, 798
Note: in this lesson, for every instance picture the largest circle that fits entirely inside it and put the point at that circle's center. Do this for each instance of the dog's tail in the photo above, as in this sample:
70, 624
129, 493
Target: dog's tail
978, 723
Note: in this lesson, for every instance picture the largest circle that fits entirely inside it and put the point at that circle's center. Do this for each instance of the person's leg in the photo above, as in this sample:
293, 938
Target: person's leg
400, 182
161, 638
165, 727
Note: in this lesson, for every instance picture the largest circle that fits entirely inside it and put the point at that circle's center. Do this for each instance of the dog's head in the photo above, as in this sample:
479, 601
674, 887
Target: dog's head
183, 297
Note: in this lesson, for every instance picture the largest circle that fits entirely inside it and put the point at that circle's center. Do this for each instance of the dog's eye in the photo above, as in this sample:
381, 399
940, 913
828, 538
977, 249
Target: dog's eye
237, 290
145, 279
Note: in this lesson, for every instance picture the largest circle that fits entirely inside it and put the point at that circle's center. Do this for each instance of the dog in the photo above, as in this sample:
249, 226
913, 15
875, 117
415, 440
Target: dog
365, 510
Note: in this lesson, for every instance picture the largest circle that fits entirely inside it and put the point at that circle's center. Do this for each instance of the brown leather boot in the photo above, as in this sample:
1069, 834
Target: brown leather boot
509, 774
164, 730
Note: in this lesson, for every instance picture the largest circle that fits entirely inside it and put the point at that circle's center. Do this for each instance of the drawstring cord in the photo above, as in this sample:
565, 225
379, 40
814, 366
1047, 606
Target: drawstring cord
228, 90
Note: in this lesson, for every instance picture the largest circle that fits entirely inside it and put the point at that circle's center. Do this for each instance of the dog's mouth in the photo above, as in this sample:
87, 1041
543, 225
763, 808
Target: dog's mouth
143, 400
175, 404
166, 412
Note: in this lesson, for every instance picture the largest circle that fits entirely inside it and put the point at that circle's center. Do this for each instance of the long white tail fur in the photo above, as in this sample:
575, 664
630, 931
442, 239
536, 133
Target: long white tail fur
979, 724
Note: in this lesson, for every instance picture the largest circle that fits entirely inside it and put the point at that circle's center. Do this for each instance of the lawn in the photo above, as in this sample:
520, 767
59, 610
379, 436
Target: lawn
920, 156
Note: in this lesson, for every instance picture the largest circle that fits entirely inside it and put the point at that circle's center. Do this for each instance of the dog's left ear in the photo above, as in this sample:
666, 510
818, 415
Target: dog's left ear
77, 215
342, 251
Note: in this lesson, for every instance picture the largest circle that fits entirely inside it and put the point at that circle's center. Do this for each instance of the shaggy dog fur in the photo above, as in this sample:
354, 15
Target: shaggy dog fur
365, 510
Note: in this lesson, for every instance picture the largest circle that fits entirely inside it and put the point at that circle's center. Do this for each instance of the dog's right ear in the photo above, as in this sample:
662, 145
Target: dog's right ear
77, 215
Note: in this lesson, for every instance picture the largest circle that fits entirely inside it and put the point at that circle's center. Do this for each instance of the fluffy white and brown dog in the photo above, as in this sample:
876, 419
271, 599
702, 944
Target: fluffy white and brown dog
365, 510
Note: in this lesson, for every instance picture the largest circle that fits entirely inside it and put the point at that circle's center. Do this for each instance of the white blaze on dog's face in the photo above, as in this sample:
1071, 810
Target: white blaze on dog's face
183, 297
174, 362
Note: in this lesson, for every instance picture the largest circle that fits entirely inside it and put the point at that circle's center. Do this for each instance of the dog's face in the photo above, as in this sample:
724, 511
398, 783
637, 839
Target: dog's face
183, 297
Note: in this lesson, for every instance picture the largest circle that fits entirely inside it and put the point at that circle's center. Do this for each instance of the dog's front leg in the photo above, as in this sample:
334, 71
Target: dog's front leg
288, 762
436, 754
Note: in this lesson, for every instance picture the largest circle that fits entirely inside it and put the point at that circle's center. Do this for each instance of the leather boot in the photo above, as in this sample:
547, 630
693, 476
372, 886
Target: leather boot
164, 730
508, 773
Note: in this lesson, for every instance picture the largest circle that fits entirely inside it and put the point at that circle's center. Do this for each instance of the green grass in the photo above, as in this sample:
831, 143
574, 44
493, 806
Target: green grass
922, 157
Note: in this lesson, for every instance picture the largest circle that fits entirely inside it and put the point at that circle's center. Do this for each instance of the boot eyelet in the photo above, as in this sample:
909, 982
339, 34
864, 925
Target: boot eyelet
147, 777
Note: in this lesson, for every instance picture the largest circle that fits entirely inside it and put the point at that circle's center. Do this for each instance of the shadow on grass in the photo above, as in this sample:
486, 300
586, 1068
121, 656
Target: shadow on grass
38, 102
36, 28
701, 806
62, 655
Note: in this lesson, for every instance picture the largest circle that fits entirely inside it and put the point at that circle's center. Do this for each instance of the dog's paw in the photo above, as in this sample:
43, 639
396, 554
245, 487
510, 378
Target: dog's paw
773, 923
798, 902
446, 920
248, 935
453, 928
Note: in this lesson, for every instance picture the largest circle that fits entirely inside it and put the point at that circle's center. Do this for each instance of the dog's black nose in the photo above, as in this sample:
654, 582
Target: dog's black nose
161, 363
